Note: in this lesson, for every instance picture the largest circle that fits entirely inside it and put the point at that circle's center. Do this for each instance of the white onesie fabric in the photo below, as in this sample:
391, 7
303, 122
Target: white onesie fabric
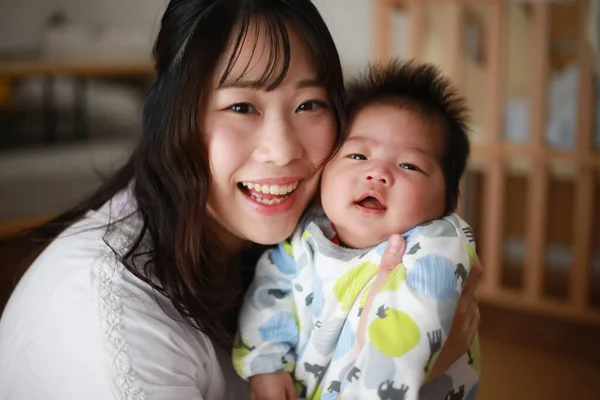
302, 311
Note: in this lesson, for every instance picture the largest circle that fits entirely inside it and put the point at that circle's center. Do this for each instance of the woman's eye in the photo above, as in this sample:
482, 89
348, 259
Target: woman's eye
357, 156
410, 167
242, 108
312, 105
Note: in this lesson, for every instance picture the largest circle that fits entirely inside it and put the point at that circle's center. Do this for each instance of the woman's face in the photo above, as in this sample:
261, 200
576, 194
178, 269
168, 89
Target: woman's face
264, 146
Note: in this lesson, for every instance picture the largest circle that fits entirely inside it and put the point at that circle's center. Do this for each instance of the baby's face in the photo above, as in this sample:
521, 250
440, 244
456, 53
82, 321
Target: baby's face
386, 178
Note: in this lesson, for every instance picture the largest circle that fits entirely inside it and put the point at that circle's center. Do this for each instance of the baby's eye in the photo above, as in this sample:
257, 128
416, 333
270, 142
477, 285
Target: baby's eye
357, 156
410, 167
312, 105
242, 108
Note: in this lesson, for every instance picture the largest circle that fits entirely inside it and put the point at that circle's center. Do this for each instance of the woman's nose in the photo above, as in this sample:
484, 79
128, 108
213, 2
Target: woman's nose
278, 142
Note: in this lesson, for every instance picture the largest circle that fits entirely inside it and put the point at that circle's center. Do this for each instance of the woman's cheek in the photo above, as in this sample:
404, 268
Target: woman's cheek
320, 138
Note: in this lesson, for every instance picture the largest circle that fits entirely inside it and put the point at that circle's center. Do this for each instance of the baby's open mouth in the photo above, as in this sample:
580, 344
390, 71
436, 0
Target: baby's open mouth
267, 194
371, 200
371, 203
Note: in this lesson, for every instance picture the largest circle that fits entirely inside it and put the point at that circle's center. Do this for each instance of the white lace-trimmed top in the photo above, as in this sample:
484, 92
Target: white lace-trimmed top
80, 326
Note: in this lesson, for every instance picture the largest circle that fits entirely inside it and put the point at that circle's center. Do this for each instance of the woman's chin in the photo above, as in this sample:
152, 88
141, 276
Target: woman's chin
270, 235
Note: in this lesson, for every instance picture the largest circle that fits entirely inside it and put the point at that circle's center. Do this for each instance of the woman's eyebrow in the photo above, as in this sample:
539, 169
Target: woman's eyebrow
310, 82
259, 84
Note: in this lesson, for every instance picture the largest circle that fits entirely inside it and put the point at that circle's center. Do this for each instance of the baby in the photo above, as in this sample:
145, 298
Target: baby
398, 170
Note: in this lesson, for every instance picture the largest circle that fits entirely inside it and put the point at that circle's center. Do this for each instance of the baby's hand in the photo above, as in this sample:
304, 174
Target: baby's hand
275, 386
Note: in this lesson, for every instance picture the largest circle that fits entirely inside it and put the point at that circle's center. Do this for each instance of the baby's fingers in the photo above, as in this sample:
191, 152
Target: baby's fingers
393, 253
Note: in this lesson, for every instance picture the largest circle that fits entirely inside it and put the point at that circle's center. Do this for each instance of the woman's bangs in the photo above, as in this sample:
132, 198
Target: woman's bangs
270, 28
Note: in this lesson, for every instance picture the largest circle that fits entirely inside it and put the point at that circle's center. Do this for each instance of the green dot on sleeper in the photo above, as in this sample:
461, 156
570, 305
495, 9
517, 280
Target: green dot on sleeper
306, 234
472, 253
393, 333
287, 246
475, 354
396, 277
349, 286
364, 296
317, 394
241, 348
298, 319
288, 366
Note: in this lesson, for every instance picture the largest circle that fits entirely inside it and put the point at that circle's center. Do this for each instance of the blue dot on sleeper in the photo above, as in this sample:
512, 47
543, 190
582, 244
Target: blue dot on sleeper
345, 341
412, 237
329, 395
377, 367
380, 249
281, 327
283, 261
433, 276
318, 301
302, 349
472, 393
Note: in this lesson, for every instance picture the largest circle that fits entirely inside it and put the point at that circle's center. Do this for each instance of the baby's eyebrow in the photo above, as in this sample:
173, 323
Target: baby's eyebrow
374, 142
359, 138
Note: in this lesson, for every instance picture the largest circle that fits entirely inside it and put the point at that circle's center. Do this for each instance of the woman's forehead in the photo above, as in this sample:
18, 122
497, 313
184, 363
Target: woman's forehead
263, 55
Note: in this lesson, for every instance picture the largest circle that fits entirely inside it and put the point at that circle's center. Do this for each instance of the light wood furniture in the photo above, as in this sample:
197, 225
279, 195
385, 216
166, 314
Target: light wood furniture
494, 157
106, 67
81, 68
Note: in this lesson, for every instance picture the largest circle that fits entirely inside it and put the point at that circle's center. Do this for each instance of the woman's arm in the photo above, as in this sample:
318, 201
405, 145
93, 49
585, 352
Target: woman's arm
464, 325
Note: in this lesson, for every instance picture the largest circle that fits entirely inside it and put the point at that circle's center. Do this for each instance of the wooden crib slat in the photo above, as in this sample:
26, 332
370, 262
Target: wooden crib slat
579, 289
455, 42
382, 30
538, 180
547, 306
454, 66
417, 21
493, 217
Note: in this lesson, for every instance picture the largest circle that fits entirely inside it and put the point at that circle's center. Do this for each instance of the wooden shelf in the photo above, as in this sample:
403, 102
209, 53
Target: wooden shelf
557, 308
78, 66
518, 159
13, 226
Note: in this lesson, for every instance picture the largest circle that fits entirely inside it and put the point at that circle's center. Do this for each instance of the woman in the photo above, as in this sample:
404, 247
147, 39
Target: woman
136, 291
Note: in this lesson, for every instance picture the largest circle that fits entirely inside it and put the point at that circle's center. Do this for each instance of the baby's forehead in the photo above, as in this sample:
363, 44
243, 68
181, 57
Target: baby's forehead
425, 139
372, 141
374, 119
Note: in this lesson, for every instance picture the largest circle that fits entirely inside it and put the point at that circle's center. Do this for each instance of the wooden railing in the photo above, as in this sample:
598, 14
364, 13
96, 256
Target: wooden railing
497, 153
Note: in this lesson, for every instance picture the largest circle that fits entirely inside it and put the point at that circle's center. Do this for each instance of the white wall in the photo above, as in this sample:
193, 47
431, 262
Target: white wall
21, 21
350, 25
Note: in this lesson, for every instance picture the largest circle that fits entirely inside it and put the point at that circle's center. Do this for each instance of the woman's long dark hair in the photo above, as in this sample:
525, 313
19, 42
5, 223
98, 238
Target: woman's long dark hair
170, 169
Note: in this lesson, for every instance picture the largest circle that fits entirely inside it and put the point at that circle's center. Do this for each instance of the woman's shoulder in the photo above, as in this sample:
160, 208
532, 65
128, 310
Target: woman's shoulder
78, 302
142, 332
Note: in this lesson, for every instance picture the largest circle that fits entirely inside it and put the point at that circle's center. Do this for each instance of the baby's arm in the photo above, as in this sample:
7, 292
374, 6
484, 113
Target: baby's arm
413, 311
268, 331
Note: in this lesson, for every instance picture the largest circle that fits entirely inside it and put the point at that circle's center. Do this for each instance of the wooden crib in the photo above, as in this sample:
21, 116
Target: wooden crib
543, 196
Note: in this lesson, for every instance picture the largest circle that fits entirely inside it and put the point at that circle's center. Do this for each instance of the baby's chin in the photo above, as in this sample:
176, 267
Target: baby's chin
363, 240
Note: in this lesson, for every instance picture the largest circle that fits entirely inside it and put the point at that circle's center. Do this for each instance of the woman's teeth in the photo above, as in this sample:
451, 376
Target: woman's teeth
271, 189
274, 190
269, 202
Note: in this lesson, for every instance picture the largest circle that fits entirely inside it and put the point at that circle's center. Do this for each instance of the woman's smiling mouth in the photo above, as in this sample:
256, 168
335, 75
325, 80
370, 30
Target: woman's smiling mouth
270, 197
268, 194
